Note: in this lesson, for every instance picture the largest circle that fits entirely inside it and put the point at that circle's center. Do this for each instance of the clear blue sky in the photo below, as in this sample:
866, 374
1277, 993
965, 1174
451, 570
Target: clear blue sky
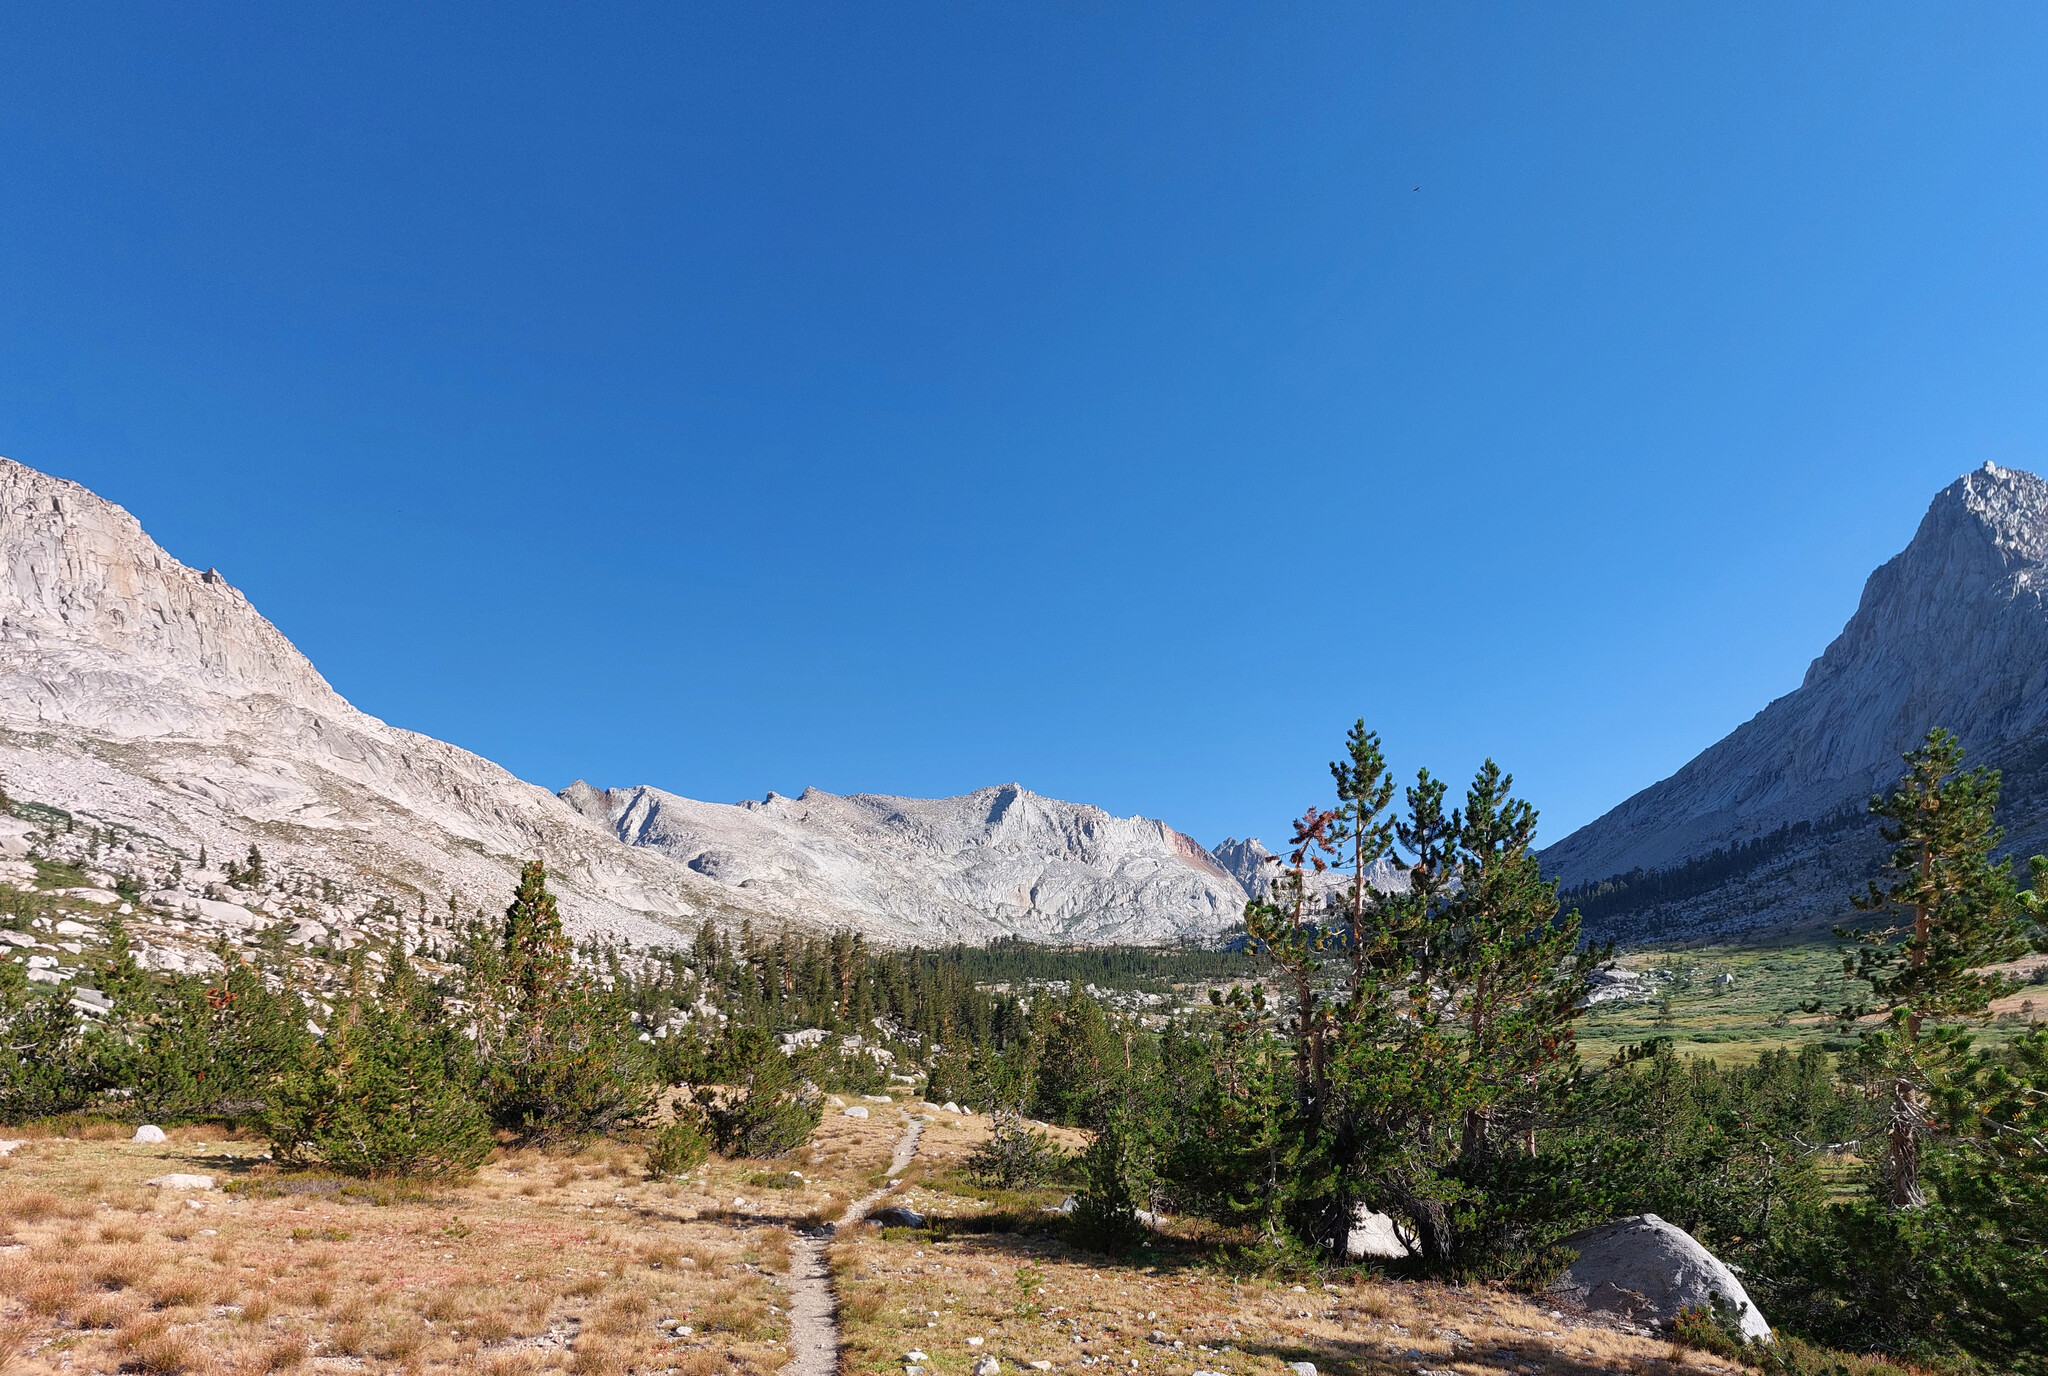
1118, 398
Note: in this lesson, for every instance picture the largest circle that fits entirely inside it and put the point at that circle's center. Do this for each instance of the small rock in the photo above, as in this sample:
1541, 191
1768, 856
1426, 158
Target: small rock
1039, 1366
914, 1356
181, 1182
913, 1371
194, 1204
148, 1132
897, 1216
974, 1342
684, 1330
857, 1111
988, 1366
7, 1146
1302, 1368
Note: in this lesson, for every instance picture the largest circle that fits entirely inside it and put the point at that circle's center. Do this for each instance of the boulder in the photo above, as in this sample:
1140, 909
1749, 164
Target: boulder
988, 1366
1376, 1235
897, 1216
14, 837
224, 914
857, 1111
1643, 1269
148, 1132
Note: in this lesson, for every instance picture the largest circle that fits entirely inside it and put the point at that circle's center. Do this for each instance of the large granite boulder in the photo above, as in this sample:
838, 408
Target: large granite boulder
1376, 1234
1645, 1270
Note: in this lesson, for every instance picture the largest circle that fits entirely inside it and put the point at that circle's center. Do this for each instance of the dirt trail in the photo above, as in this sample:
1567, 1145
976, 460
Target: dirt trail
813, 1316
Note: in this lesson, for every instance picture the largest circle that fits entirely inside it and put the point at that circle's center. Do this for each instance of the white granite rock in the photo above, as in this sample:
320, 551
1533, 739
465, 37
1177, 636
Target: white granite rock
154, 695
994, 861
1644, 1269
148, 1132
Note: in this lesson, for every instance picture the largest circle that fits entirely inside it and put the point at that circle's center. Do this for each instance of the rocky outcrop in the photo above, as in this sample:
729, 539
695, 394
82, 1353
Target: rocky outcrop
1951, 632
1646, 1270
998, 861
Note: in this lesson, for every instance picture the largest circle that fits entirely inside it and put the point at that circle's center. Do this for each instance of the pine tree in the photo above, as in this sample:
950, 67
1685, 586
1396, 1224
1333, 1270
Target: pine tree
389, 1092
563, 1062
763, 1109
1453, 1018
537, 954
1953, 912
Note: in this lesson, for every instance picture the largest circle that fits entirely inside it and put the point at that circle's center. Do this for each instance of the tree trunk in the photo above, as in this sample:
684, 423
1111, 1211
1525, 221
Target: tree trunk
1473, 1142
1433, 1231
1904, 1163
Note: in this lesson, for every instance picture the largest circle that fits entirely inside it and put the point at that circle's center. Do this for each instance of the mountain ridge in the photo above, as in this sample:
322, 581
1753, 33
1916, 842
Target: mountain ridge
1952, 631
156, 696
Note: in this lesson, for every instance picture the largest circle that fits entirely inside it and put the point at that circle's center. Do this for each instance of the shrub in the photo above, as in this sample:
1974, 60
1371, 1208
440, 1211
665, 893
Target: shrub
767, 1111
1015, 1156
388, 1093
680, 1147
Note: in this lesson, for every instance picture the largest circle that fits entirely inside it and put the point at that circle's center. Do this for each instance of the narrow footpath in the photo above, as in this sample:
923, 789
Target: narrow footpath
813, 1310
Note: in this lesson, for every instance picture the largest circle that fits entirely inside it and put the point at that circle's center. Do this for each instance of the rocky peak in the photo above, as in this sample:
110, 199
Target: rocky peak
1952, 631
78, 575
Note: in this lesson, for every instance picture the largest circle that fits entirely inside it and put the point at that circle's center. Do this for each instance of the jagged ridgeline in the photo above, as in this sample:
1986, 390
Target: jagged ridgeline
155, 697
1768, 827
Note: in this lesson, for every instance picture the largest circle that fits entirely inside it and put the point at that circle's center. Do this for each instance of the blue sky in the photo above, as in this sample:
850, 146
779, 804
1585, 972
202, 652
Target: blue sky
1117, 398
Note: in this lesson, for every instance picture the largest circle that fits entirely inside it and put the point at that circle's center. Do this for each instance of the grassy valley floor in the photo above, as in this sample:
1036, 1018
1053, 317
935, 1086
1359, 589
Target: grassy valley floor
1734, 1002
576, 1263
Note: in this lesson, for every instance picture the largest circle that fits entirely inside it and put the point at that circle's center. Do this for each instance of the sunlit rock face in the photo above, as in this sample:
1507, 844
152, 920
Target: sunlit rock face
138, 691
1951, 632
997, 861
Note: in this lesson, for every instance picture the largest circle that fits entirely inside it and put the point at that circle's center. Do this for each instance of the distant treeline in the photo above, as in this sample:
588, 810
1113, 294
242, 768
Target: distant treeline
1605, 899
1013, 960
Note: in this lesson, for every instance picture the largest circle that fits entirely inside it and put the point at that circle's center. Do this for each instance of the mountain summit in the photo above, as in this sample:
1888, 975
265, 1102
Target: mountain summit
1951, 632
998, 860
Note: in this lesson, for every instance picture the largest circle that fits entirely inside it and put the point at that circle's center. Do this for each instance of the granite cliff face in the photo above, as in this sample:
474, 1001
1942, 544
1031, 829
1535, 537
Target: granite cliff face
137, 691
1951, 632
993, 862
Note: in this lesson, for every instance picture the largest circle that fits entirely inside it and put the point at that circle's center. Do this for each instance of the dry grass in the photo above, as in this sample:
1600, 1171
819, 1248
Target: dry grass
1031, 1298
548, 1264
286, 1271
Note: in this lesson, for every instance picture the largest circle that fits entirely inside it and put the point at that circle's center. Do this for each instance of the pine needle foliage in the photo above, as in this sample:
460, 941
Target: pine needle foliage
562, 1061
388, 1091
764, 1110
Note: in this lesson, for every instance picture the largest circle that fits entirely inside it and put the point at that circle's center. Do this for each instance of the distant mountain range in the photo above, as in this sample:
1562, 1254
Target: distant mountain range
1768, 826
134, 690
